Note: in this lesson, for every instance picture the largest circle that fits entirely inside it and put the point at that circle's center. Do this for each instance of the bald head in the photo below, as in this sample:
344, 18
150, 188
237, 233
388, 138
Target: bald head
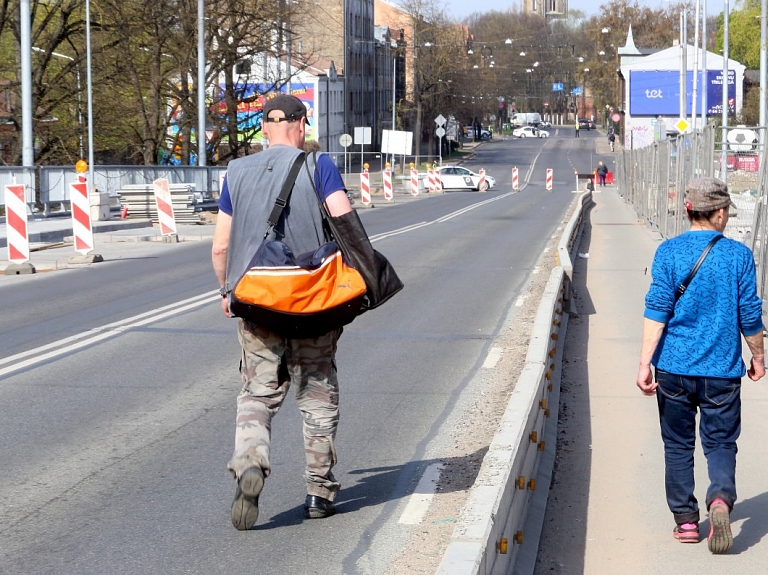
288, 132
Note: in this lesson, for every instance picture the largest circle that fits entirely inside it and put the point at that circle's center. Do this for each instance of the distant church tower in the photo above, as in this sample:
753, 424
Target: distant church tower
547, 8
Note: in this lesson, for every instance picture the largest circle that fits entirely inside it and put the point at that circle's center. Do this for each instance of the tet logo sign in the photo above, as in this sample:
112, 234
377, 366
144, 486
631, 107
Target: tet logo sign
654, 94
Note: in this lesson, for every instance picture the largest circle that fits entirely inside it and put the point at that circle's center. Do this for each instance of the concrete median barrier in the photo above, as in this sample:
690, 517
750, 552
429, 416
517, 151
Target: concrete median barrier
499, 529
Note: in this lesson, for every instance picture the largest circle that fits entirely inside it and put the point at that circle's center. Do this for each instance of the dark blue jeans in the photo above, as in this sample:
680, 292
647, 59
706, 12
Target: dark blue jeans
719, 400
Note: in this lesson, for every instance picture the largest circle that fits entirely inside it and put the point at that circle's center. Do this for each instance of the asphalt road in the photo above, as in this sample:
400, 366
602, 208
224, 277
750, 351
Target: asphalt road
115, 440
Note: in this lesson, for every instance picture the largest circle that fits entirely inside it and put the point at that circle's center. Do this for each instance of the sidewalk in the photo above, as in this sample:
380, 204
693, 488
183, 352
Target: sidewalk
607, 512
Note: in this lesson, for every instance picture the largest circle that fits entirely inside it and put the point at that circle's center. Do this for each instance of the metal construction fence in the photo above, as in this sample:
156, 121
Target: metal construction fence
653, 179
48, 185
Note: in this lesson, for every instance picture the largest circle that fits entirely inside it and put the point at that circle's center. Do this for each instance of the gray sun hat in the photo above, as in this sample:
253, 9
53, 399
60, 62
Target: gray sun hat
707, 195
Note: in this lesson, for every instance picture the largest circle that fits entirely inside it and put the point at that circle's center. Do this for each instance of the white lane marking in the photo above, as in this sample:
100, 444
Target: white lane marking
110, 330
385, 235
472, 207
420, 499
533, 165
97, 334
494, 355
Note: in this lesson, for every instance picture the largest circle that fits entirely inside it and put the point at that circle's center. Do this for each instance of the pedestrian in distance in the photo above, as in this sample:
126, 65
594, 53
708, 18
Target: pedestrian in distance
269, 362
611, 139
577, 129
692, 332
602, 173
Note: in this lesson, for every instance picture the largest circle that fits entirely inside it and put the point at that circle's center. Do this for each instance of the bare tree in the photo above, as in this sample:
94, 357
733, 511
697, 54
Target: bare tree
58, 62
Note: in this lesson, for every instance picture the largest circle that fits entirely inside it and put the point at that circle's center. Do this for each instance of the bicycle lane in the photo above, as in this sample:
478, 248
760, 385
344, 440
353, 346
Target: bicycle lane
607, 512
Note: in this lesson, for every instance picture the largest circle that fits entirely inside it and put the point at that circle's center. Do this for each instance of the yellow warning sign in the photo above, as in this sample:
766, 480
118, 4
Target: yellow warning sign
682, 125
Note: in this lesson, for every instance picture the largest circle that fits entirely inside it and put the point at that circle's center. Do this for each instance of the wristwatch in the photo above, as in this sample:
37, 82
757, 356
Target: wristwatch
223, 292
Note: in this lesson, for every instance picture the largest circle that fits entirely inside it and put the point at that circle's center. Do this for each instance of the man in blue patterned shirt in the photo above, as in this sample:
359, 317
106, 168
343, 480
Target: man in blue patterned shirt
694, 342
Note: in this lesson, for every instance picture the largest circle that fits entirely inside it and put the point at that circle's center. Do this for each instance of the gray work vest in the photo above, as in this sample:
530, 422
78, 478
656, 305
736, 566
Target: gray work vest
254, 182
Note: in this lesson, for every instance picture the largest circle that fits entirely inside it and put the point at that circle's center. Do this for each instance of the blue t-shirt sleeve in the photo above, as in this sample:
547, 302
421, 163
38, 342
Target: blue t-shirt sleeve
225, 201
327, 177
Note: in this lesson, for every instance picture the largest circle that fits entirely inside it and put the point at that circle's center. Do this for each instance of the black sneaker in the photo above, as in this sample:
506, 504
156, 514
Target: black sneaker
316, 507
245, 507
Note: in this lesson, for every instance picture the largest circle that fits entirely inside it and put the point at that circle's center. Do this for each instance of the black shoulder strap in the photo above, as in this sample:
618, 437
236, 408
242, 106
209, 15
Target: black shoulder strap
683, 286
285, 194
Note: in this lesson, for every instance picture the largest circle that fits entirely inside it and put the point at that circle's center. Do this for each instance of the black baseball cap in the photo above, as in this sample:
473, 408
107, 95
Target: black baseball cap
293, 108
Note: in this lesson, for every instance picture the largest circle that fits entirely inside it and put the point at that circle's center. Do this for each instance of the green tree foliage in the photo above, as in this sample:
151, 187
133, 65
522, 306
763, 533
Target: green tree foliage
743, 34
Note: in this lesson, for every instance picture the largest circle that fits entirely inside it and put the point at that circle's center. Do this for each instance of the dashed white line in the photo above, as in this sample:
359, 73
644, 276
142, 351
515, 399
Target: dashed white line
421, 498
494, 355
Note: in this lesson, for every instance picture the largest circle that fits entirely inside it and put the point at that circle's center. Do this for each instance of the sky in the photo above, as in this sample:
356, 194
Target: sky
462, 8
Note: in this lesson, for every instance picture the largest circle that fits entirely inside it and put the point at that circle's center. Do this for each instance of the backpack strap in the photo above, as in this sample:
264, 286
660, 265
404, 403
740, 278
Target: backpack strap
285, 194
683, 286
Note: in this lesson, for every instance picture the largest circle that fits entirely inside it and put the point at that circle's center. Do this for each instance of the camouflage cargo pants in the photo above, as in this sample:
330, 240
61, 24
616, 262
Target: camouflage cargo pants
270, 364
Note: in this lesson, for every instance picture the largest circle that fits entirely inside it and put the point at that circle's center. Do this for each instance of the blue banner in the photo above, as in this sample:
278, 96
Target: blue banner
657, 93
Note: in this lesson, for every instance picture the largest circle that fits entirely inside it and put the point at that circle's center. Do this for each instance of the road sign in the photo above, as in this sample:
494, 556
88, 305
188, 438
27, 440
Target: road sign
362, 136
546, 104
440, 132
440, 120
557, 87
576, 91
682, 125
616, 118
345, 140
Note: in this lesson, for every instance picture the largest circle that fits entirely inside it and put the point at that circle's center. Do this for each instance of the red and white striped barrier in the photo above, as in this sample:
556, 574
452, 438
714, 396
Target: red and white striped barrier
549, 179
365, 187
414, 182
481, 182
16, 223
431, 179
438, 182
515, 182
388, 195
82, 230
164, 205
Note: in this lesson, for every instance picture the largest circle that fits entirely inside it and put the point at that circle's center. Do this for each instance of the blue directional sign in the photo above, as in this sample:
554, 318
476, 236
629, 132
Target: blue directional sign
557, 87
576, 91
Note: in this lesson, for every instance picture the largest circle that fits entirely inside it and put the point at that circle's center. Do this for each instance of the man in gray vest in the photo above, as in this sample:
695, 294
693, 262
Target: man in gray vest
271, 363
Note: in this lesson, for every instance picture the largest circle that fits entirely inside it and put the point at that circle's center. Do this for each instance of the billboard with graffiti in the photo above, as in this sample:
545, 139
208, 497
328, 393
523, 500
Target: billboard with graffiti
250, 103
251, 98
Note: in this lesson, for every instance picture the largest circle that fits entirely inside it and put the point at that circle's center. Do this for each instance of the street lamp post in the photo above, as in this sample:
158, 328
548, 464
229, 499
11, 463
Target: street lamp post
201, 139
89, 81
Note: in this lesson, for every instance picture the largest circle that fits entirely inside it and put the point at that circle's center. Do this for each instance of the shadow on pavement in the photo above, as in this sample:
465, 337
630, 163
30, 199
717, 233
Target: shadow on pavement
755, 526
379, 485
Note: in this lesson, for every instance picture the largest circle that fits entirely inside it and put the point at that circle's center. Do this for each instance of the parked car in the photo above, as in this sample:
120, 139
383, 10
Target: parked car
529, 132
585, 124
460, 178
545, 124
469, 132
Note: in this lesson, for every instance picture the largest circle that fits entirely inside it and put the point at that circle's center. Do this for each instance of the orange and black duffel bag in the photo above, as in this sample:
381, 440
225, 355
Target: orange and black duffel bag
297, 296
